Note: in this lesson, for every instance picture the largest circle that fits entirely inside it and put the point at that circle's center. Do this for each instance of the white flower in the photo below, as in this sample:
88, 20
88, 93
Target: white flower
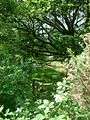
58, 98
1, 108
18, 110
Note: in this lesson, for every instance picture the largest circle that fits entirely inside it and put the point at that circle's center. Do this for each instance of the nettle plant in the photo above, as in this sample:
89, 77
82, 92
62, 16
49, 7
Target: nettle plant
62, 107
44, 109
51, 109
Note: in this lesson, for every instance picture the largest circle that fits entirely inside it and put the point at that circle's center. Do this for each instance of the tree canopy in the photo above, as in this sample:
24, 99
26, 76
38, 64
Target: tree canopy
44, 27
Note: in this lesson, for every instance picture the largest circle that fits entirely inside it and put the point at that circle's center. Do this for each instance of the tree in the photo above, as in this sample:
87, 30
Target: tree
48, 28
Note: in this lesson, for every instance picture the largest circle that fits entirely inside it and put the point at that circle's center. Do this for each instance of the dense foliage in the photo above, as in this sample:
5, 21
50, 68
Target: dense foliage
44, 59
